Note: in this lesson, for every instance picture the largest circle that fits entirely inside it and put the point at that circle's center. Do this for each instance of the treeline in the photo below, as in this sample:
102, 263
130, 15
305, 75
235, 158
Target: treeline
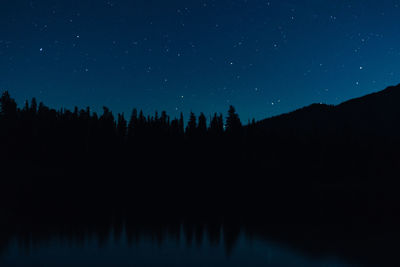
63, 152
221, 164
312, 140
39, 132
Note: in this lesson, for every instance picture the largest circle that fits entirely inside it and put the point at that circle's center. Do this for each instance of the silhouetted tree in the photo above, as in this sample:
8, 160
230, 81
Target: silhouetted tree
33, 106
217, 125
108, 131
181, 124
122, 128
233, 123
202, 125
8, 107
164, 119
192, 126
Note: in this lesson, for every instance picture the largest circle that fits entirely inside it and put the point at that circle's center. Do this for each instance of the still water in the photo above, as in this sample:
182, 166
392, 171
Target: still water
176, 246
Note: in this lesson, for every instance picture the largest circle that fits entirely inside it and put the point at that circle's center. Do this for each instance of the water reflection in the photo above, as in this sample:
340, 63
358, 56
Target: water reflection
127, 244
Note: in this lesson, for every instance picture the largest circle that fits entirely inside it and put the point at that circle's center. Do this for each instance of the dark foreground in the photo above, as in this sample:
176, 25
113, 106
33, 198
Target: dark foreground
85, 223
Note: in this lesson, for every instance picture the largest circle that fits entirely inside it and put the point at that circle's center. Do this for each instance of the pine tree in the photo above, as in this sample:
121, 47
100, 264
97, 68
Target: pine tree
192, 125
33, 106
133, 123
8, 106
202, 125
122, 127
181, 124
217, 125
233, 123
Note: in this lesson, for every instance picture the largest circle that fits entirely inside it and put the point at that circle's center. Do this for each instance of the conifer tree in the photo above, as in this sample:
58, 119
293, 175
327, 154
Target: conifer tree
202, 125
192, 126
233, 123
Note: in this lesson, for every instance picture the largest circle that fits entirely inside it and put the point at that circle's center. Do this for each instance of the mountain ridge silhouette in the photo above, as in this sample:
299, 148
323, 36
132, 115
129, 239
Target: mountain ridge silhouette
374, 113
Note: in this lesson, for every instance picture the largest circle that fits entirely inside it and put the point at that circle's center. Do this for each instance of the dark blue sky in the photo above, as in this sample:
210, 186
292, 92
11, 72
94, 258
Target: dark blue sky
263, 57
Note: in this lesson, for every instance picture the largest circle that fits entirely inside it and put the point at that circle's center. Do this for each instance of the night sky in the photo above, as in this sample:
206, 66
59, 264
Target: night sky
263, 57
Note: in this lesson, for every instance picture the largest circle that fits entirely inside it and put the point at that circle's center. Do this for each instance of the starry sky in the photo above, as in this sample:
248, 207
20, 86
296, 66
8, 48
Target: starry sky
263, 57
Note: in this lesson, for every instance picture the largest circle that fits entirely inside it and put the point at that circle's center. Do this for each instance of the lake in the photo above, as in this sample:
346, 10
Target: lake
150, 245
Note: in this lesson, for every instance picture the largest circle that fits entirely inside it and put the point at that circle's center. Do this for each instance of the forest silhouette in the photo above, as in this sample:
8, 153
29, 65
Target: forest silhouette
325, 162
